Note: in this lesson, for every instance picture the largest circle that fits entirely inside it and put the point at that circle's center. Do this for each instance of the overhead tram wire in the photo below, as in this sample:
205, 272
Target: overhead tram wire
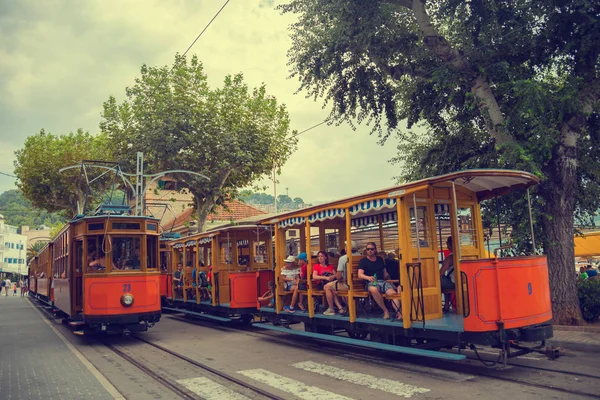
9, 175
186, 51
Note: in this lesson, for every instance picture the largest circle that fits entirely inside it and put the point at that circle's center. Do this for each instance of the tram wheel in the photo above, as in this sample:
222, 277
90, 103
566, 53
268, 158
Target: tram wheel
360, 335
246, 318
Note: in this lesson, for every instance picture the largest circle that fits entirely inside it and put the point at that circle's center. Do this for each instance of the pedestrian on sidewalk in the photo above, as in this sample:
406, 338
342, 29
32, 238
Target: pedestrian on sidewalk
7, 286
15, 289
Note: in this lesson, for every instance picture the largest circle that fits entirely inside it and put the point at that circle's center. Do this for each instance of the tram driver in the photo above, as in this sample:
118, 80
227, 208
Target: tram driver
95, 263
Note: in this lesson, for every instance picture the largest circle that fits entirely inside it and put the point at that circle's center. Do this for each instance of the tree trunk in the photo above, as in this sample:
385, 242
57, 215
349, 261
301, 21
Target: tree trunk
202, 210
558, 194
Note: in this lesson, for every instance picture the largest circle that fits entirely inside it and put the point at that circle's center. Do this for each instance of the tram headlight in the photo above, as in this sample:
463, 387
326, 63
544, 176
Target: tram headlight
127, 300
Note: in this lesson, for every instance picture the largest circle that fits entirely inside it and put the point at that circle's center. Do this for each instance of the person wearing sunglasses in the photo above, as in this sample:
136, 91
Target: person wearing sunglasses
372, 269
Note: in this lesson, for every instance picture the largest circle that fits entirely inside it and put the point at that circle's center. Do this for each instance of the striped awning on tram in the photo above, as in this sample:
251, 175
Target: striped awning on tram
327, 214
372, 205
243, 242
374, 219
205, 240
292, 221
190, 243
178, 245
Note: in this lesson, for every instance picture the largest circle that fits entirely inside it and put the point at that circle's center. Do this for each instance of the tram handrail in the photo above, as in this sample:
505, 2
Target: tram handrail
465, 294
415, 281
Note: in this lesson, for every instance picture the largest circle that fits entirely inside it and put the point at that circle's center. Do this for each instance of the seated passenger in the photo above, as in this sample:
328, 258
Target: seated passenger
340, 282
392, 266
323, 273
372, 270
178, 277
267, 296
303, 259
290, 276
97, 264
447, 275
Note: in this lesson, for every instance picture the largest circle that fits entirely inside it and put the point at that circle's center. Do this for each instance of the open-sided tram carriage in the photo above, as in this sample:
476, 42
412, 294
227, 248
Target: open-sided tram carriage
102, 273
499, 301
236, 262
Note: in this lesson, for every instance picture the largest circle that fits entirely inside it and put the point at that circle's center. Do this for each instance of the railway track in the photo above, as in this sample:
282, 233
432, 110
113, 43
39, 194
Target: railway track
555, 379
141, 357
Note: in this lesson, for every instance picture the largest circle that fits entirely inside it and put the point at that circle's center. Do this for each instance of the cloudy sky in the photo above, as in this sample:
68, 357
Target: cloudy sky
61, 59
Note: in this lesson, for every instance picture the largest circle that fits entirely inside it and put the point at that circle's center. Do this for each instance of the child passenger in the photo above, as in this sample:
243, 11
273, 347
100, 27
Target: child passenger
290, 275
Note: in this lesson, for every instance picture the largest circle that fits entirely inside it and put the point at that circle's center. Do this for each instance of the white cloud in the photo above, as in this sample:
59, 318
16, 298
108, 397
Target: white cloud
59, 60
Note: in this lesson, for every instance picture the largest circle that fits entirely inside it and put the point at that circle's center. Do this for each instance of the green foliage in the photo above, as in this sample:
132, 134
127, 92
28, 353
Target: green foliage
283, 201
588, 292
37, 167
34, 249
17, 211
232, 134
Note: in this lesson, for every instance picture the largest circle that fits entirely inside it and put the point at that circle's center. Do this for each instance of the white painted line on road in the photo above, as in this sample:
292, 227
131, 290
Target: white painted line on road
294, 387
210, 390
370, 381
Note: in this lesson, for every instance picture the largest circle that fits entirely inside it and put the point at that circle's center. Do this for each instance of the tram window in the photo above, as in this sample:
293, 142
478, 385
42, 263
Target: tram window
466, 228
126, 253
226, 251
260, 252
126, 226
96, 257
422, 223
152, 227
151, 251
78, 255
96, 227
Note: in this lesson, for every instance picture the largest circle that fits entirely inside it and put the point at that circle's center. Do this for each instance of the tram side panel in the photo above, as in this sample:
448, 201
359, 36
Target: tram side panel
104, 296
512, 290
166, 286
62, 295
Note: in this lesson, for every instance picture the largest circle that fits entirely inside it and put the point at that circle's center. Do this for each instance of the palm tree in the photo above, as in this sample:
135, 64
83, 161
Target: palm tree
34, 249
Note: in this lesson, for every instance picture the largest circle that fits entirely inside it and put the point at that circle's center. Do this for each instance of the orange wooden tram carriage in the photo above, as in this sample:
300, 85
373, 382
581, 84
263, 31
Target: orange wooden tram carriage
102, 273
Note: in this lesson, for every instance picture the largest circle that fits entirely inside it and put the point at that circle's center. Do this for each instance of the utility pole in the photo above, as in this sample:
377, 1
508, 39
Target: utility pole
20, 249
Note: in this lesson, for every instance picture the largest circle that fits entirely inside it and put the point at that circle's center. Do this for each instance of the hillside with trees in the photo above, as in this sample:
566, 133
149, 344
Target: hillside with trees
18, 211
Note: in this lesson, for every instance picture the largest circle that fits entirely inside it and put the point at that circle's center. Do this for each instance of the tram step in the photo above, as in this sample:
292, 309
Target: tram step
79, 333
199, 315
367, 344
76, 323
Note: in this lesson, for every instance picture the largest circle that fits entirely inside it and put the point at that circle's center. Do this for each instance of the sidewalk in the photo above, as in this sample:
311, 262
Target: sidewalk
35, 362
577, 338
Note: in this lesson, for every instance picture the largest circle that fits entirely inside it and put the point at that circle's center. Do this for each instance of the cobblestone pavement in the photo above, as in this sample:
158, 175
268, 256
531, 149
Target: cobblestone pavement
35, 363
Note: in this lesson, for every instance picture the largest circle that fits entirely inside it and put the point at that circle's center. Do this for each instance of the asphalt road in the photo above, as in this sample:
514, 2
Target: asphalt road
295, 369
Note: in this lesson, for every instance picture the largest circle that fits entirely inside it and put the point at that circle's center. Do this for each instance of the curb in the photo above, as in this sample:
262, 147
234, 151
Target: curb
575, 346
568, 328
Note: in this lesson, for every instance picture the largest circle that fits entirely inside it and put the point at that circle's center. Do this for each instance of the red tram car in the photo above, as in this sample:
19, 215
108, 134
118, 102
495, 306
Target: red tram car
102, 272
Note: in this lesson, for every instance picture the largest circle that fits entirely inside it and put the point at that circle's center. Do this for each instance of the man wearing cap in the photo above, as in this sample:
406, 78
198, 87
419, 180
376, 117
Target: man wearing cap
290, 276
340, 284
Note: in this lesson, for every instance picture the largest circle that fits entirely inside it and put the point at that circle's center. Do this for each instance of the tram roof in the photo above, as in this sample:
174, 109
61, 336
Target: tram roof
485, 183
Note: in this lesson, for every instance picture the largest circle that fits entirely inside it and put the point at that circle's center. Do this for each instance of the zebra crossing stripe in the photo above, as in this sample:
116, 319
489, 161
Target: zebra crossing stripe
372, 382
292, 386
210, 390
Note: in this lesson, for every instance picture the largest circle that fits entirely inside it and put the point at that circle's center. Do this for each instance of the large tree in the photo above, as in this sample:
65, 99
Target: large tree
231, 134
38, 163
509, 84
